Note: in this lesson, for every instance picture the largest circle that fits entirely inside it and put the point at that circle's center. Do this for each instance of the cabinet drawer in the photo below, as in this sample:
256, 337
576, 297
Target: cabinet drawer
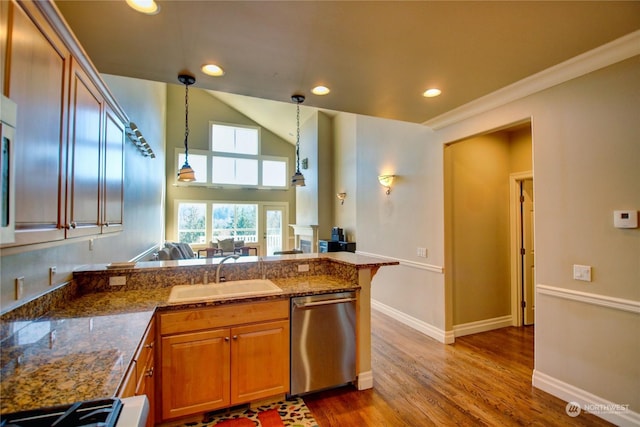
225, 315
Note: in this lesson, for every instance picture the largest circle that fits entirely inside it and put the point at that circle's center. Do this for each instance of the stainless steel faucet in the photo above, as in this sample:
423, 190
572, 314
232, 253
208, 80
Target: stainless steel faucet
220, 265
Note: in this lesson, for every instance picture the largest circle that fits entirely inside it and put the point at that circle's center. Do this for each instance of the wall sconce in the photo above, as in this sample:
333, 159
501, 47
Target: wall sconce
341, 197
386, 181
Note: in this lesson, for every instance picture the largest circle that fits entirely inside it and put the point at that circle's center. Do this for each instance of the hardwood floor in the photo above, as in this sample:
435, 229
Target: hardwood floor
482, 379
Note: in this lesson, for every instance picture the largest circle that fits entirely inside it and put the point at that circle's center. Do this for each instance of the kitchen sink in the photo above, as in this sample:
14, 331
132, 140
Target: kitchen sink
213, 291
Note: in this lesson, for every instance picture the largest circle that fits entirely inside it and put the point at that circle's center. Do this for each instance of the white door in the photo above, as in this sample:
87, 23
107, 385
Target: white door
528, 257
274, 229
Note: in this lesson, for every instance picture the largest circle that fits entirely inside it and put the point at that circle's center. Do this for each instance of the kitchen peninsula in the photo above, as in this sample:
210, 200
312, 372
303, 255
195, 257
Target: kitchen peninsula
84, 346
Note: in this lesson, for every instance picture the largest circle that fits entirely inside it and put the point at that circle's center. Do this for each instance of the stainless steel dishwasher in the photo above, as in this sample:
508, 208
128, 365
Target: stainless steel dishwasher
323, 341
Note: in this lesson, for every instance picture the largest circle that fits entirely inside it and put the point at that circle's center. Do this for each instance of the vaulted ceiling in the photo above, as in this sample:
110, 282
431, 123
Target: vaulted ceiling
377, 57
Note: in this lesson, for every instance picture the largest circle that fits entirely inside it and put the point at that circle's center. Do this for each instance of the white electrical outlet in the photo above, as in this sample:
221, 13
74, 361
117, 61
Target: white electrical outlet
90, 244
303, 268
19, 287
582, 272
117, 280
52, 273
421, 252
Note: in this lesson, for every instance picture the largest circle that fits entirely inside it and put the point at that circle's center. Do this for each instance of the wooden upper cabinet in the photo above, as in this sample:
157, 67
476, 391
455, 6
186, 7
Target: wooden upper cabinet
113, 193
70, 133
83, 184
37, 81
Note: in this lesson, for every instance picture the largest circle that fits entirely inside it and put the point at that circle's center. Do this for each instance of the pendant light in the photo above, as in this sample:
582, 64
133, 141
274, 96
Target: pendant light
297, 180
186, 173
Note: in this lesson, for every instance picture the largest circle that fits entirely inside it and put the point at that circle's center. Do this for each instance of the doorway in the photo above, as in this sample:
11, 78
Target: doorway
522, 249
274, 220
482, 245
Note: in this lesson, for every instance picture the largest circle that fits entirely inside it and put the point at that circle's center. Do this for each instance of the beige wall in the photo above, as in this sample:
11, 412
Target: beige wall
203, 108
477, 233
477, 179
144, 103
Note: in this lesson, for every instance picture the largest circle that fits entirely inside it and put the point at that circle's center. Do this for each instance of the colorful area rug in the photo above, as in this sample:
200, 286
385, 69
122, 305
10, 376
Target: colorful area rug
288, 413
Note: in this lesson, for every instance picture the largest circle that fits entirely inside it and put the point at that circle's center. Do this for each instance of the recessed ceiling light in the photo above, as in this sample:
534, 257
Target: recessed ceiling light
212, 70
320, 90
430, 93
149, 7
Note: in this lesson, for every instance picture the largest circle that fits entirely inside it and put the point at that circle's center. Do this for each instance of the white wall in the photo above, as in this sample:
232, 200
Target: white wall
395, 225
586, 163
345, 166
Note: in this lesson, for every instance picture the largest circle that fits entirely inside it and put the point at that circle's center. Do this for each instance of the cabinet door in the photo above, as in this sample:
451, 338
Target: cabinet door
195, 372
83, 185
37, 74
113, 195
259, 361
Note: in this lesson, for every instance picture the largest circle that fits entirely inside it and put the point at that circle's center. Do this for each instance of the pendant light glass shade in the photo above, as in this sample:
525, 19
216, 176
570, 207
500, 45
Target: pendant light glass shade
186, 173
297, 180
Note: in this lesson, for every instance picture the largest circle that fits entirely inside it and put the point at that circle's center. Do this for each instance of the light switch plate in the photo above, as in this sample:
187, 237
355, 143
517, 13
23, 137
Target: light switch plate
625, 219
582, 272
117, 280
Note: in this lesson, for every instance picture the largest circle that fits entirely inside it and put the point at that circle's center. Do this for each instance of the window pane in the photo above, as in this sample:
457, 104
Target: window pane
246, 223
246, 171
223, 138
246, 141
234, 139
274, 173
228, 170
235, 221
191, 222
224, 170
198, 163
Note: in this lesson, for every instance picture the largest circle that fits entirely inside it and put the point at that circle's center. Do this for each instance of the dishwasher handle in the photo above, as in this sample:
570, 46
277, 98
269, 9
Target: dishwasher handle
303, 305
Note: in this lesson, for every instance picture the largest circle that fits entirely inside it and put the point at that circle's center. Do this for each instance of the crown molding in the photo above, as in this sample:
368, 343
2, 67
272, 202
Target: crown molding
618, 50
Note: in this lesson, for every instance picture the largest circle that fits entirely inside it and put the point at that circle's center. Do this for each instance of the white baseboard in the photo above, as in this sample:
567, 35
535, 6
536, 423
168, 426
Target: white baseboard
482, 326
615, 413
426, 328
365, 380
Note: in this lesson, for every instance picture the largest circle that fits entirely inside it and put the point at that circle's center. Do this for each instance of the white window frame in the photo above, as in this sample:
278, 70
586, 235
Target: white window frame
209, 211
210, 154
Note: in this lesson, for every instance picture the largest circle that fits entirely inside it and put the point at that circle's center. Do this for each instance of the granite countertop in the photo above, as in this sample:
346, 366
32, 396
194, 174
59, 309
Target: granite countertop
83, 350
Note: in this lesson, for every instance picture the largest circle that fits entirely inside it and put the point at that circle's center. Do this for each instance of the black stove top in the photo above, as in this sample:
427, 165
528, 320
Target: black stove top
90, 413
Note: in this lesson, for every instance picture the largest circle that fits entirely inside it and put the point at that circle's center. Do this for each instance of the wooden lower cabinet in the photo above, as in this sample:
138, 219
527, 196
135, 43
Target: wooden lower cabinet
140, 377
195, 372
226, 364
259, 361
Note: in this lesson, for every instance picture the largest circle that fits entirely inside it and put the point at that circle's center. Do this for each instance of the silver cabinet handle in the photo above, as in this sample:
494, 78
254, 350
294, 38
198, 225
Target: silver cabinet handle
149, 373
325, 302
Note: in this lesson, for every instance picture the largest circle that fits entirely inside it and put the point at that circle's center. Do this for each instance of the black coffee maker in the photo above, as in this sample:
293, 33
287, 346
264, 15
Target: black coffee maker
337, 234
